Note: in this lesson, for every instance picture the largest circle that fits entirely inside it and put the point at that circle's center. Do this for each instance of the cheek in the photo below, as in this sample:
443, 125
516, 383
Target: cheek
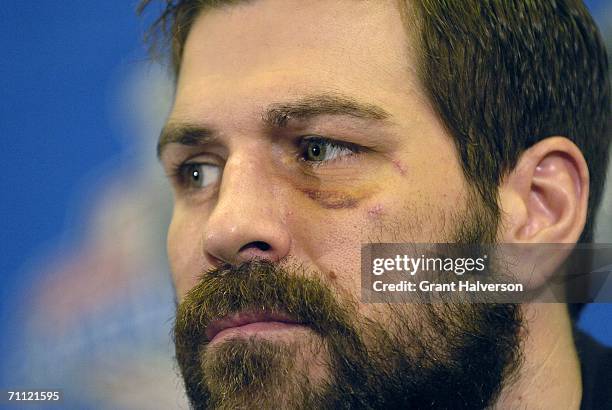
184, 253
331, 240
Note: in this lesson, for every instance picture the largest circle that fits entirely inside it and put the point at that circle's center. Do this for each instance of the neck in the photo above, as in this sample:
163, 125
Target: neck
549, 377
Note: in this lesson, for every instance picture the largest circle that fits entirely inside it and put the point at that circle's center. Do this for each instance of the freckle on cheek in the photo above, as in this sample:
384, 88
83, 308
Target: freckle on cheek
332, 275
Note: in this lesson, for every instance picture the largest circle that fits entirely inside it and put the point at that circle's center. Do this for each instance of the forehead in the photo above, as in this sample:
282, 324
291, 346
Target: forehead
257, 48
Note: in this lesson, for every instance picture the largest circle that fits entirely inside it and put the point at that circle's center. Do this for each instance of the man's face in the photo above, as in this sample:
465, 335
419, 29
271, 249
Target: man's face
299, 132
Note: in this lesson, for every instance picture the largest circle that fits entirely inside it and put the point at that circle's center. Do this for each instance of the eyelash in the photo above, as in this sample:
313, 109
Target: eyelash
179, 173
334, 144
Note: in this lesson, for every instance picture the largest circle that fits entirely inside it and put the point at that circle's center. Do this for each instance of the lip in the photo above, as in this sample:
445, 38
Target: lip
249, 321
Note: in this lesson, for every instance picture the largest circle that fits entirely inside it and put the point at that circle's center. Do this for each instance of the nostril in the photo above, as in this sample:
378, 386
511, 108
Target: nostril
259, 245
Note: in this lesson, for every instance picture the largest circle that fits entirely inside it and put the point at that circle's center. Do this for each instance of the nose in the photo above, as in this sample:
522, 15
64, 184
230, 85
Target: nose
246, 222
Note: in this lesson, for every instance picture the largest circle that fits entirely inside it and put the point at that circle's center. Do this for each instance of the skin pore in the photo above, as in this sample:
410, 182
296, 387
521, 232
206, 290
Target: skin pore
357, 154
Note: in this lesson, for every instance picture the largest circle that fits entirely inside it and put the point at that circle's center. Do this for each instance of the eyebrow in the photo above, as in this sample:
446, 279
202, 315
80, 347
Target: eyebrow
184, 134
278, 115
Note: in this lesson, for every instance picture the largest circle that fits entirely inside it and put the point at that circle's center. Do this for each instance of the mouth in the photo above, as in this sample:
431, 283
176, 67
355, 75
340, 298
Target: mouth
250, 323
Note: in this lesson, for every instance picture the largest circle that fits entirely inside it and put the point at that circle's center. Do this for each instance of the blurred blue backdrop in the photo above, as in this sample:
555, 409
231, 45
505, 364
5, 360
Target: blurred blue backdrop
64, 70
58, 63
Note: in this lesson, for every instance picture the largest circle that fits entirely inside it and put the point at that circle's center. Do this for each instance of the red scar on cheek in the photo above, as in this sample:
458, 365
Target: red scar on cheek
399, 166
376, 211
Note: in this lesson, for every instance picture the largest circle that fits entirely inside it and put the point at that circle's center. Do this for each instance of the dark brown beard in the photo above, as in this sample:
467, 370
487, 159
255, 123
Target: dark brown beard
424, 356
416, 356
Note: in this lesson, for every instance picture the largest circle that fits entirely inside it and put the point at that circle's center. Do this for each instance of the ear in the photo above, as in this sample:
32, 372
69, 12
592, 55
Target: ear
544, 199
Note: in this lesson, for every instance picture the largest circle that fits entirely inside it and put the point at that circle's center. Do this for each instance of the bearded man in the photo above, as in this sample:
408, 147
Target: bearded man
301, 130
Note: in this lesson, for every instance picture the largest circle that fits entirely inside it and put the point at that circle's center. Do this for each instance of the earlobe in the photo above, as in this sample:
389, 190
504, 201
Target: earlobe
544, 199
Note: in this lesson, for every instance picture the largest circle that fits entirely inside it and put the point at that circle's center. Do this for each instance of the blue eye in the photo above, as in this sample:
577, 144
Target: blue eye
317, 149
198, 175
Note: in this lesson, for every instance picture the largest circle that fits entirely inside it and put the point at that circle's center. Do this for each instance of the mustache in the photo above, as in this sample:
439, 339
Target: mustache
260, 286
